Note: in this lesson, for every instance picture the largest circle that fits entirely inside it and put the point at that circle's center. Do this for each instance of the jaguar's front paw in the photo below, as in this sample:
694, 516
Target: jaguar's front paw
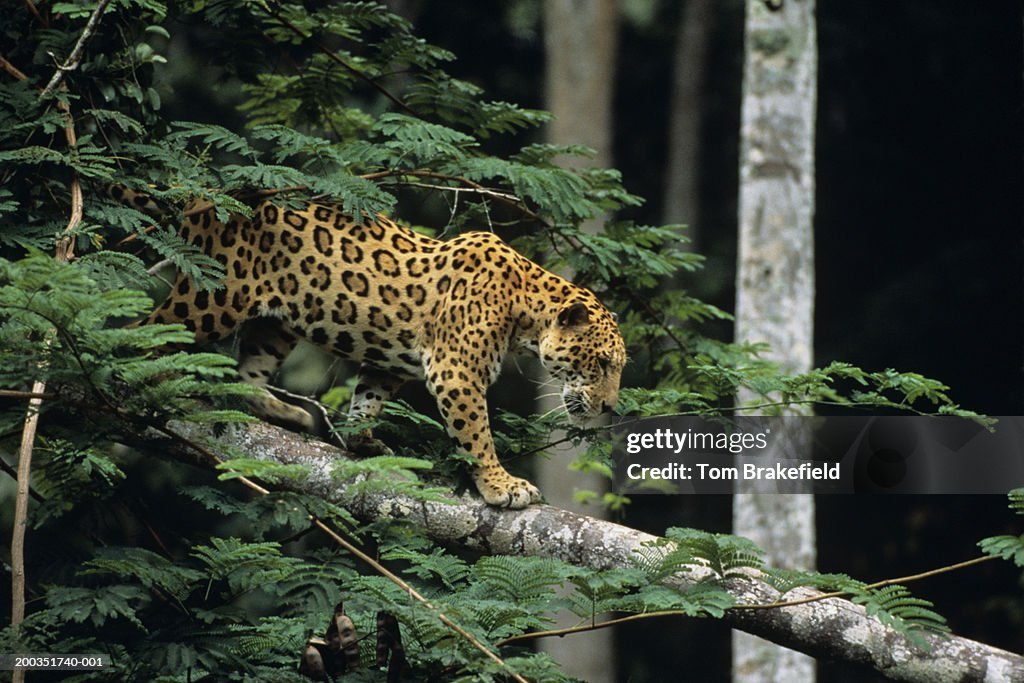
501, 489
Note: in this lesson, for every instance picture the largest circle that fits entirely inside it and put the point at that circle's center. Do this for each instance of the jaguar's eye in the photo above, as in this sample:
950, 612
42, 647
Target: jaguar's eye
604, 362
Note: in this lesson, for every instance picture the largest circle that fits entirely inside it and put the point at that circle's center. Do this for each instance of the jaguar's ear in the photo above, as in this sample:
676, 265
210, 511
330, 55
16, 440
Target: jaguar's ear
615, 316
573, 315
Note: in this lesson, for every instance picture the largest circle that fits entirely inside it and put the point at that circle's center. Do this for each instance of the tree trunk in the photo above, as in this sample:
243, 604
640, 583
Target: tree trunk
682, 173
580, 41
775, 278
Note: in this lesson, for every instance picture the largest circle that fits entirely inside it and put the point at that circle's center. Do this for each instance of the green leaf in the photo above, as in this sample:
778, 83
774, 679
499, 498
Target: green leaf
1006, 547
98, 606
265, 470
146, 567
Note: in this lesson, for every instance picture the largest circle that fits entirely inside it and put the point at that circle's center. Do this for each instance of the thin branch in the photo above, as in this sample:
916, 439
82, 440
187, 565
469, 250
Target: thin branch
330, 54
75, 58
589, 627
10, 393
12, 70
447, 188
28, 437
35, 12
879, 584
64, 251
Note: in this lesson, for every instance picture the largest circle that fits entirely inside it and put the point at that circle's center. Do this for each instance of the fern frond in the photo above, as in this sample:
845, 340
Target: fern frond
113, 270
220, 501
98, 607
700, 600
726, 555
1006, 547
245, 566
895, 607
205, 272
502, 618
146, 567
785, 580
211, 135
265, 470
520, 579
449, 569
417, 143
605, 591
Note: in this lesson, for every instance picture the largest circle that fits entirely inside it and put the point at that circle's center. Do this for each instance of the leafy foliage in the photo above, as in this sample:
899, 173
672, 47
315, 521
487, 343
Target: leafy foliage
896, 607
892, 604
58, 328
1008, 547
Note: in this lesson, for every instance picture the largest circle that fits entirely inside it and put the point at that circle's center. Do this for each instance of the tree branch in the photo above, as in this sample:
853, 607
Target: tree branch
63, 251
275, 12
73, 60
28, 438
878, 584
825, 628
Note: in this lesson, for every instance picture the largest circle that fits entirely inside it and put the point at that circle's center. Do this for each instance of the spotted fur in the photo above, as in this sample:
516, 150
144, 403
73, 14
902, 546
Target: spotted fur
406, 307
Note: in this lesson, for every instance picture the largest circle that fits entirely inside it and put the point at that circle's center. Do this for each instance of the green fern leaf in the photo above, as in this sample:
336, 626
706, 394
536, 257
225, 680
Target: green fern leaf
148, 568
449, 569
894, 606
245, 566
212, 135
98, 606
1006, 547
205, 272
520, 579
265, 470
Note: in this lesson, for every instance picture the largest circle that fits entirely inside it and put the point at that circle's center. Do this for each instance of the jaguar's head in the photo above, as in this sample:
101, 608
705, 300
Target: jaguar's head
582, 347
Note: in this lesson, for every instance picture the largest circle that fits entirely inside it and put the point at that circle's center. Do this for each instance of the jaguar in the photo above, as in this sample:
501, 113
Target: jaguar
404, 306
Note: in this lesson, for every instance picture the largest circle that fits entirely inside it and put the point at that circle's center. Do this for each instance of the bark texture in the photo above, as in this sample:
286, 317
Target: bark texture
775, 282
581, 44
833, 628
775, 274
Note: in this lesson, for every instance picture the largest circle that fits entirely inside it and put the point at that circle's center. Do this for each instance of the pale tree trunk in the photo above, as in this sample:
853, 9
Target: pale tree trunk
775, 278
580, 40
682, 198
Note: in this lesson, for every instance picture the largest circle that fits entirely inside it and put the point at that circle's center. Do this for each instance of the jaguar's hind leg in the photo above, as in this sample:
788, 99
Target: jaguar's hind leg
265, 343
373, 388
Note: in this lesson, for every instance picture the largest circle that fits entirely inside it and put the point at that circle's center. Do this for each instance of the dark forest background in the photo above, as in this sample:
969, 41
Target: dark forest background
919, 247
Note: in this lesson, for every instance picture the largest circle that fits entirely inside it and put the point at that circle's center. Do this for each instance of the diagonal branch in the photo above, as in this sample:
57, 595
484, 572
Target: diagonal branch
75, 58
824, 628
275, 12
